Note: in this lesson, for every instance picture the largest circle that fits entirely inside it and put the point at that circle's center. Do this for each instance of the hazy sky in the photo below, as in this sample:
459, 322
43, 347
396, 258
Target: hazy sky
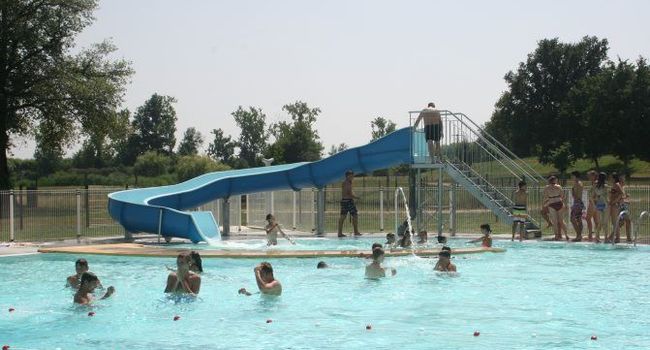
354, 59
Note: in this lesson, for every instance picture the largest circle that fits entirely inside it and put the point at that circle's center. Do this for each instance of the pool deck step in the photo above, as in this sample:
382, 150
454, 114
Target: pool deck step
143, 250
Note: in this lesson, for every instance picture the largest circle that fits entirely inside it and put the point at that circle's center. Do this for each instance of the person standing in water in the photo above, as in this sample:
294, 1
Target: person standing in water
183, 280
374, 269
272, 228
444, 263
88, 283
519, 211
266, 282
578, 205
432, 129
347, 204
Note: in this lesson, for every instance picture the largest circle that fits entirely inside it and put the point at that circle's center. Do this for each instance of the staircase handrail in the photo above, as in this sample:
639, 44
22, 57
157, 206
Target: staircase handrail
486, 182
532, 173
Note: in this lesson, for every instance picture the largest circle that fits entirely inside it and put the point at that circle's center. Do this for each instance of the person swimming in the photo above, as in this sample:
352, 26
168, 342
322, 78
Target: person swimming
80, 266
390, 239
88, 283
486, 240
444, 261
423, 237
322, 265
374, 269
183, 280
196, 265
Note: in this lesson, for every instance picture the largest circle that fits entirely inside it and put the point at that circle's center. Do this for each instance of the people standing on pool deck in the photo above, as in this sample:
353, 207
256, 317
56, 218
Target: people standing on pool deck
486, 240
347, 204
266, 282
591, 209
619, 208
519, 211
80, 266
599, 200
272, 228
374, 269
578, 205
554, 201
183, 280
197, 264
88, 283
432, 129
444, 263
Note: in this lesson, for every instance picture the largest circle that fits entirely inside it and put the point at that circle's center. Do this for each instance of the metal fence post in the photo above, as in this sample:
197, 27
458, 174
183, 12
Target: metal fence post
225, 218
239, 212
11, 216
320, 211
78, 215
313, 210
381, 209
248, 211
293, 211
452, 209
160, 214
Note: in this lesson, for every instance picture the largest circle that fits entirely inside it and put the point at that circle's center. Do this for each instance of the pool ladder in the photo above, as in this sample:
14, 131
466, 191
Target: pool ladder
638, 224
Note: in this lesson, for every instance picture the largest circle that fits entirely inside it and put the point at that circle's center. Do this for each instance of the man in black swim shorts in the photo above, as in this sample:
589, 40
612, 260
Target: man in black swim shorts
432, 129
347, 204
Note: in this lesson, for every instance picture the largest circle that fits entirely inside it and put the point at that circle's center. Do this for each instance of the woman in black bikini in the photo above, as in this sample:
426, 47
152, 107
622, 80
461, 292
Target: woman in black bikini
554, 200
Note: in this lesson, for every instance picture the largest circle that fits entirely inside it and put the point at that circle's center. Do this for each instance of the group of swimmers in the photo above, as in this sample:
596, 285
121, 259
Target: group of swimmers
605, 203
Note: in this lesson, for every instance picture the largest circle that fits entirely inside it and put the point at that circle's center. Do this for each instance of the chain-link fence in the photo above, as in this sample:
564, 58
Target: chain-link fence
42, 215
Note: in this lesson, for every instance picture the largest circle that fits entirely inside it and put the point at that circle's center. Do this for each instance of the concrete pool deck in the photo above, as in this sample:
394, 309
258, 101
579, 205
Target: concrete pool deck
143, 250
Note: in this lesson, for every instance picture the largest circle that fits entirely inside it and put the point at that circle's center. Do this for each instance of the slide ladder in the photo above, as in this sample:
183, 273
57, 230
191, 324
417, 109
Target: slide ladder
482, 165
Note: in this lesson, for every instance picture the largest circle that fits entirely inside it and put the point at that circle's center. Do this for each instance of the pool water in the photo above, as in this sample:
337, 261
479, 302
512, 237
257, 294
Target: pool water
361, 243
534, 296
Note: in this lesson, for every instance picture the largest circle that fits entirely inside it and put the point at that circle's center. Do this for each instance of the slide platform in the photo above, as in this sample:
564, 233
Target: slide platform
162, 209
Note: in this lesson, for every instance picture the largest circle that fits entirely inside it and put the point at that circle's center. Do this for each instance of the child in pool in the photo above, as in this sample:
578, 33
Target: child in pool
486, 240
444, 263
272, 229
374, 269
89, 282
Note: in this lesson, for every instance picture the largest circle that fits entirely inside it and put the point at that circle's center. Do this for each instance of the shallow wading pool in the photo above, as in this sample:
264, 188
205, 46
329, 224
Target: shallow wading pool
534, 296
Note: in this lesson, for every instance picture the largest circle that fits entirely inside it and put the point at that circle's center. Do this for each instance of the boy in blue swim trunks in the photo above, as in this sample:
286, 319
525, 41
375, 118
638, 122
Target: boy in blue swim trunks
347, 204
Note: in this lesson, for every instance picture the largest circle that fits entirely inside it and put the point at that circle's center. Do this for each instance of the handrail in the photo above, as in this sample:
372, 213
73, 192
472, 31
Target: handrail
617, 228
485, 192
512, 156
460, 117
510, 153
638, 224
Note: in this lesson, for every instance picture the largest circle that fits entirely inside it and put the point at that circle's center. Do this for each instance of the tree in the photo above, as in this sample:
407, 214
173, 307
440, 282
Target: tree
527, 116
253, 136
296, 141
191, 142
42, 82
222, 148
334, 149
561, 158
154, 126
104, 142
381, 127
194, 165
151, 164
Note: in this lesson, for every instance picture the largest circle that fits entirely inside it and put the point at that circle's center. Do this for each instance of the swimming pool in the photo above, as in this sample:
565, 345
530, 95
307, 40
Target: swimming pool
311, 243
536, 295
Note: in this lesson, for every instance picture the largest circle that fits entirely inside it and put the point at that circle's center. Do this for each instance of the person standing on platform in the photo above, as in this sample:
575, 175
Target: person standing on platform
432, 129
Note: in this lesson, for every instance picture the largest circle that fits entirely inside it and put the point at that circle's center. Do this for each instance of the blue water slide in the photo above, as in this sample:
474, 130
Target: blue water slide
162, 209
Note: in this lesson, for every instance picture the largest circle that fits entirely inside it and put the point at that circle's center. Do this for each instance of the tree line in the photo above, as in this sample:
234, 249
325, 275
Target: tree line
569, 101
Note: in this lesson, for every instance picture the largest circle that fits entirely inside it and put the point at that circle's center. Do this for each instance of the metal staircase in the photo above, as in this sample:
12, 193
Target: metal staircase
482, 165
